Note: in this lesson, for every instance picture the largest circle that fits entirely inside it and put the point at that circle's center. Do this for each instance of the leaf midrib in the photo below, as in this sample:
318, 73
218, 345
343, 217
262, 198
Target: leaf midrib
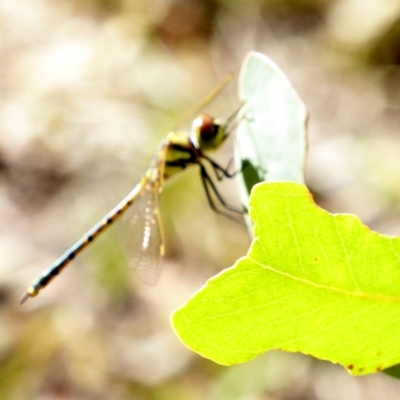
357, 294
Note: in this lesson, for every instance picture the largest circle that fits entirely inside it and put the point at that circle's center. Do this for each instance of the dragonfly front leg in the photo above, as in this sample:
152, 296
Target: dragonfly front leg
221, 172
209, 184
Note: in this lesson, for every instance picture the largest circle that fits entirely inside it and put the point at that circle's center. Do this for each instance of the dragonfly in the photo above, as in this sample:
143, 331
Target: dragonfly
175, 153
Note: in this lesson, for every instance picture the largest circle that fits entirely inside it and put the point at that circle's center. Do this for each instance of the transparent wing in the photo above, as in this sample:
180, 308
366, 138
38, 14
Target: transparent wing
210, 97
142, 236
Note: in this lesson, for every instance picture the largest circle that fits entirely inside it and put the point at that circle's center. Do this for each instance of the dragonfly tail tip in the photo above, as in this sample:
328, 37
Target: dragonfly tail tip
24, 298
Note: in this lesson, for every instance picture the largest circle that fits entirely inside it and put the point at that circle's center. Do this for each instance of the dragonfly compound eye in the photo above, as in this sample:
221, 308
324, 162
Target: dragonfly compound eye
207, 132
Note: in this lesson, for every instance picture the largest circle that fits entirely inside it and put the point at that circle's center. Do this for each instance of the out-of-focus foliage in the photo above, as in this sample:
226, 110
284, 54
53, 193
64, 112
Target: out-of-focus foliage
271, 137
88, 88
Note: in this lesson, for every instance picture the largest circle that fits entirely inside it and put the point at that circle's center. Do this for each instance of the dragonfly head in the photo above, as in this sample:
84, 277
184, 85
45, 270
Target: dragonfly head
208, 133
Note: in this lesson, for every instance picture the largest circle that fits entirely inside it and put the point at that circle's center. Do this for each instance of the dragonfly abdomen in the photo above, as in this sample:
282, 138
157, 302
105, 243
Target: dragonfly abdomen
44, 279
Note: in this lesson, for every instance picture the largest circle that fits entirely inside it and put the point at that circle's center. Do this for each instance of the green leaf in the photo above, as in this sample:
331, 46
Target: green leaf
312, 282
271, 138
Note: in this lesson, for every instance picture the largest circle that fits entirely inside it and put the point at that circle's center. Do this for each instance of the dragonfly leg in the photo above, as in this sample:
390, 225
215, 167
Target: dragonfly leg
219, 171
208, 185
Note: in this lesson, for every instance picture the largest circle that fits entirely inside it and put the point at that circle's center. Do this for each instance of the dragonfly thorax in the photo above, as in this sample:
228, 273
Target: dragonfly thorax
207, 133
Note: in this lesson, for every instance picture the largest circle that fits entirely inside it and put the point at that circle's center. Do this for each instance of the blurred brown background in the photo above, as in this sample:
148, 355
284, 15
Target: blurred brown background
87, 90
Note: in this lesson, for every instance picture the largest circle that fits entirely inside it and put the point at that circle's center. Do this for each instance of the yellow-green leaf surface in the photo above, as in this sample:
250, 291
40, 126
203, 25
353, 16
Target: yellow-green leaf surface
312, 282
